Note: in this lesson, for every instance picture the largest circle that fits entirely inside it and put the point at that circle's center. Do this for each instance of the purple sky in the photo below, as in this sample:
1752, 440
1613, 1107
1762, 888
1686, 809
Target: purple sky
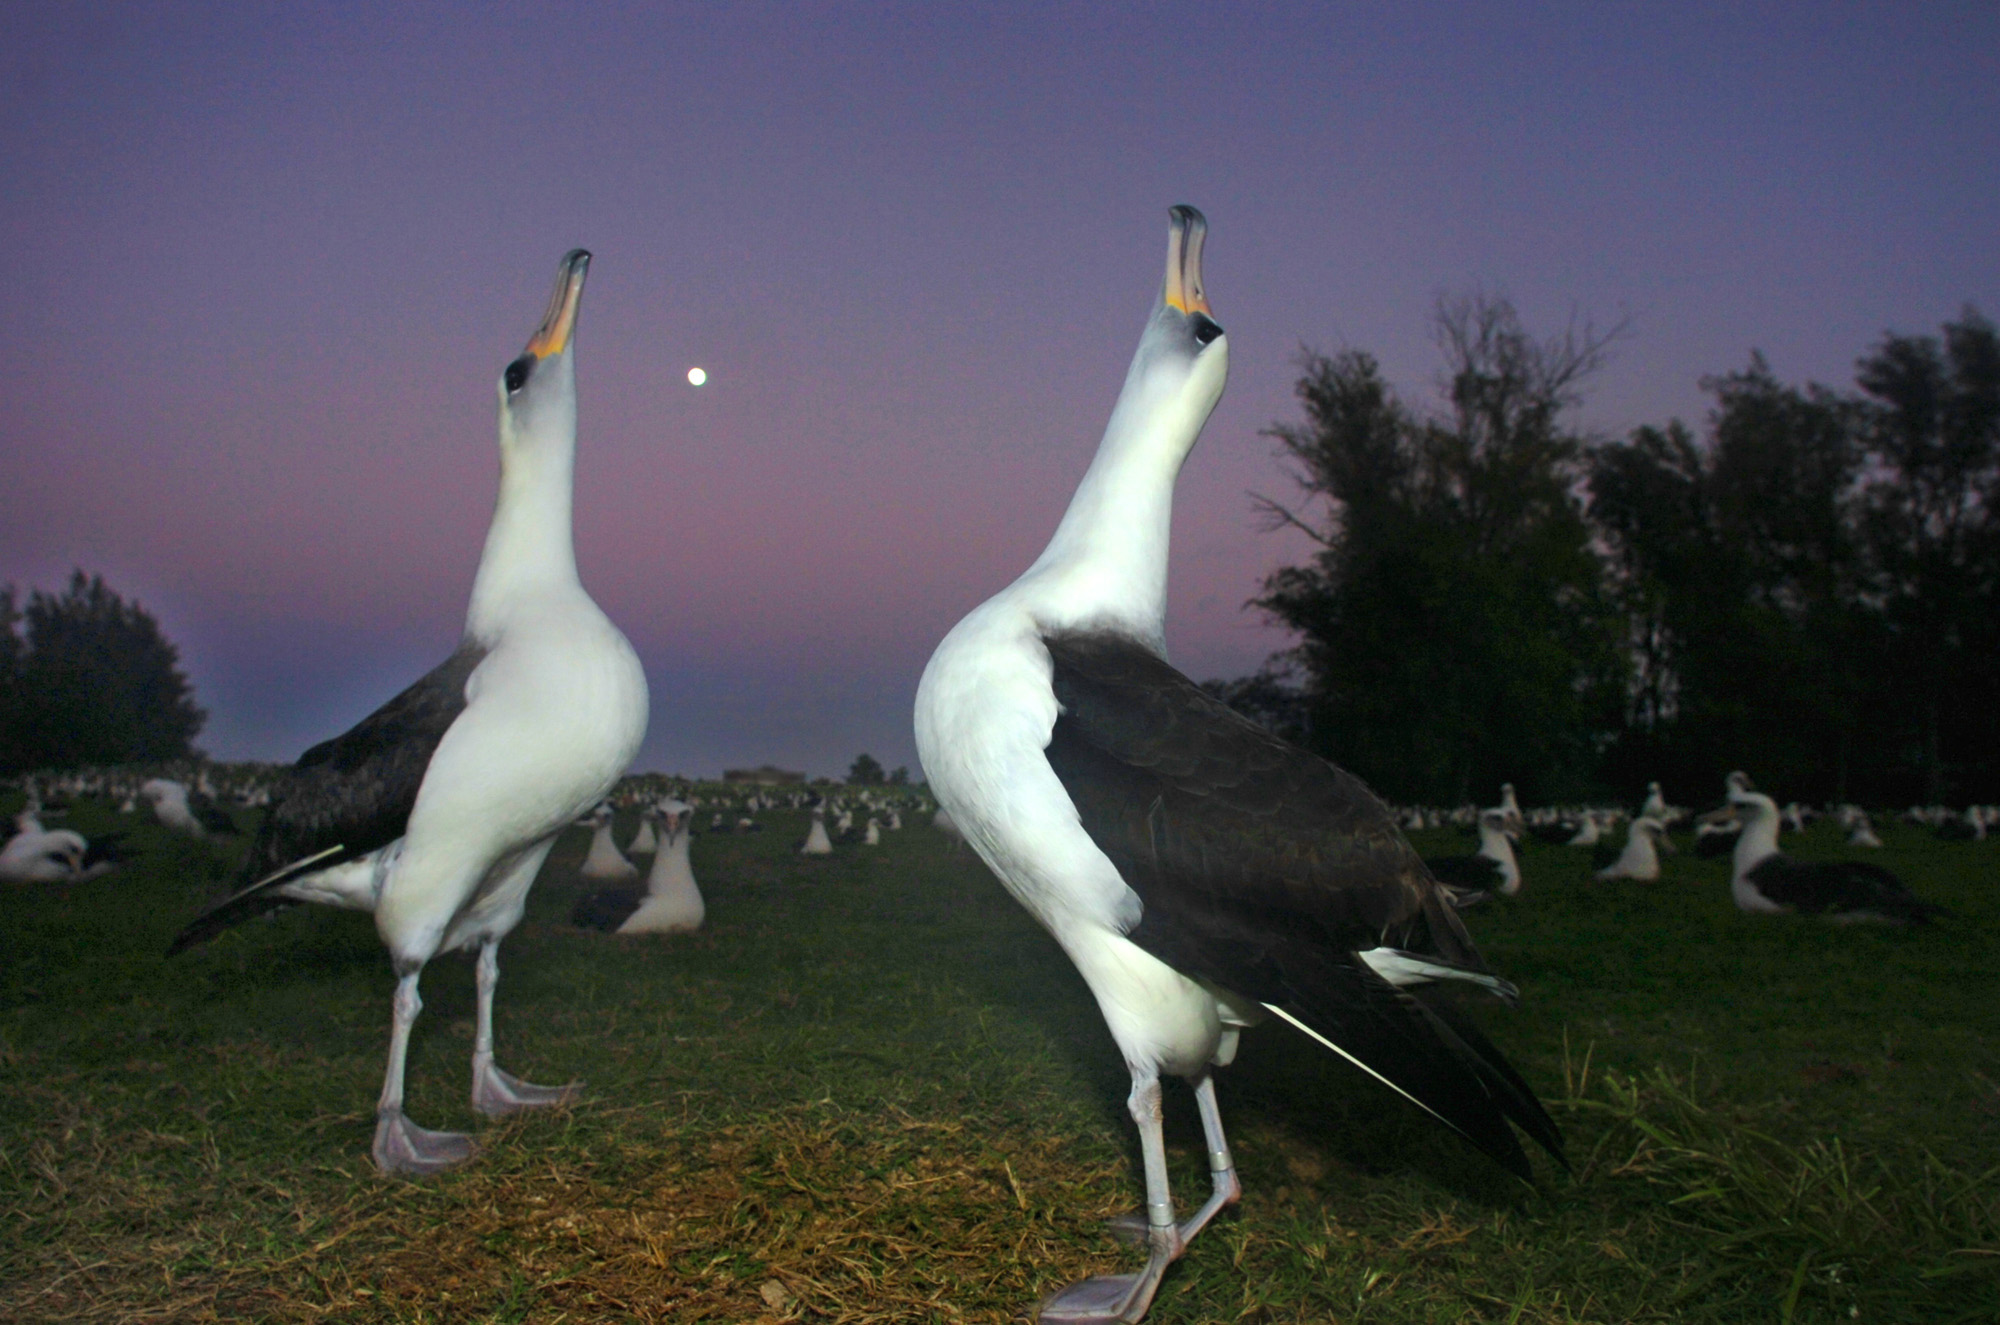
264, 263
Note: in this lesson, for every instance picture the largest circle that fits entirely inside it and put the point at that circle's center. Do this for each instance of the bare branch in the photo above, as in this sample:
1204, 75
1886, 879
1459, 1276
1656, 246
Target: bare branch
1275, 516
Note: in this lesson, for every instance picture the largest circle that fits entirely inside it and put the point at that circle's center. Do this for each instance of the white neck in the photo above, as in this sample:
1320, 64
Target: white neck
529, 546
1758, 841
1107, 563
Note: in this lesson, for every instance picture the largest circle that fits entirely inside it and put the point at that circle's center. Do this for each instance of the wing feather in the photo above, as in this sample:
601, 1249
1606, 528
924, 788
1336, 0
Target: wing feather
1266, 870
345, 797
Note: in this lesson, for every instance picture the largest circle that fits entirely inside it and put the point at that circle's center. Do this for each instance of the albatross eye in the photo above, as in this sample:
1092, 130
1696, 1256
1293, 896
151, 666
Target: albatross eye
517, 373
1206, 328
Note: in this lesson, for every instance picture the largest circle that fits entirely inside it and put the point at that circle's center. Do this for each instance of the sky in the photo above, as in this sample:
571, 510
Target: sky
264, 265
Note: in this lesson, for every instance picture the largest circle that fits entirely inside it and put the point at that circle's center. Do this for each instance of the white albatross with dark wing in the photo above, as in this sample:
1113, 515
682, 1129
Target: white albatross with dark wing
1767, 881
1200, 872
671, 902
436, 811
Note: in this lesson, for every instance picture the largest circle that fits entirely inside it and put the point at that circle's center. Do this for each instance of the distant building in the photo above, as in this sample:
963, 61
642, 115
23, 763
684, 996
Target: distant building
768, 775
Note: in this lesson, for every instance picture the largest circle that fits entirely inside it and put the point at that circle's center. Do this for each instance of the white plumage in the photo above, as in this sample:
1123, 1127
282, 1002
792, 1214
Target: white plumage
673, 902
477, 767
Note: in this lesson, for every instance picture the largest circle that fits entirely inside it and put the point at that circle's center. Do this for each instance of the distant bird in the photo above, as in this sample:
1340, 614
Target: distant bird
671, 902
1200, 872
1769, 881
1492, 869
1967, 827
603, 861
1656, 807
1640, 859
644, 842
57, 855
817, 843
185, 811
1860, 829
1510, 808
944, 823
436, 811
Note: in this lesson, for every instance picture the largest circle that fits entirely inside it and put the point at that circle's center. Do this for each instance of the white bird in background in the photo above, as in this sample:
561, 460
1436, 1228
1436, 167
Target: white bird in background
817, 843
436, 812
1860, 829
1199, 871
604, 860
671, 903
1641, 857
644, 842
1767, 881
193, 813
59, 855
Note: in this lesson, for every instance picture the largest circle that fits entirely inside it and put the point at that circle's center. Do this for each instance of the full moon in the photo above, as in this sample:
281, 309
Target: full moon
696, 376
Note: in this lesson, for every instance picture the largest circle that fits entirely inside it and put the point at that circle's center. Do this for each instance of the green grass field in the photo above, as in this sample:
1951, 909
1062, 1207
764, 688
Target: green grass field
872, 1090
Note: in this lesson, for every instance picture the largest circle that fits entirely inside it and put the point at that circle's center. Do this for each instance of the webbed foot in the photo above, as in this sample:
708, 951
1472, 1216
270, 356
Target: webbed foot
403, 1147
1102, 1299
497, 1093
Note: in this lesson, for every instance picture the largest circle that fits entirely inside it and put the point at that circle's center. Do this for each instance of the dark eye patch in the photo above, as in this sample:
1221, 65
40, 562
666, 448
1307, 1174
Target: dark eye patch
517, 373
1206, 328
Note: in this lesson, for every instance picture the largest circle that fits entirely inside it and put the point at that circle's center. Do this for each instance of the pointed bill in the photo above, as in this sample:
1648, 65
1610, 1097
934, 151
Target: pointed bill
1187, 228
553, 336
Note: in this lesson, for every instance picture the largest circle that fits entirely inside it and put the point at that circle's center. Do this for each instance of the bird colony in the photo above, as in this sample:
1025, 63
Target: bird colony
1205, 877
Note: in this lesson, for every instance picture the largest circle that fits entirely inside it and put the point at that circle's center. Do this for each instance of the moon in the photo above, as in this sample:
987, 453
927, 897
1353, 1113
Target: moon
696, 376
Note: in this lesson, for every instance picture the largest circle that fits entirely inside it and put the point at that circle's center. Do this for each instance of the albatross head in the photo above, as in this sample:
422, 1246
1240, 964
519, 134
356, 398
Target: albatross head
538, 389
1182, 361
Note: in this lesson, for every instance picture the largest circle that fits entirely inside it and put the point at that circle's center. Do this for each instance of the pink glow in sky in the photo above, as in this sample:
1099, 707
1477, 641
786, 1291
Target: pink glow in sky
264, 263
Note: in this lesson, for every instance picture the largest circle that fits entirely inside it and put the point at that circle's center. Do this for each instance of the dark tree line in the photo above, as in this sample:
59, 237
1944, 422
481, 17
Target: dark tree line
87, 678
1807, 591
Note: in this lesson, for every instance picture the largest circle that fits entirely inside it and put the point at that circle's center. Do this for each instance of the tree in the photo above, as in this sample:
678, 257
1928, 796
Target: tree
1736, 566
899, 776
1455, 626
865, 772
1930, 428
94, 682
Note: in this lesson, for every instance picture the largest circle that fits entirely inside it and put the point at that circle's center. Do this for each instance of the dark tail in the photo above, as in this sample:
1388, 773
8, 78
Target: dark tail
1422, 1048
260, 898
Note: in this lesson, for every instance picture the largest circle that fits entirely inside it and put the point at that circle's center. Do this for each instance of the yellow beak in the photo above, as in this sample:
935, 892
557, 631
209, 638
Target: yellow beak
552, 337
1186, 228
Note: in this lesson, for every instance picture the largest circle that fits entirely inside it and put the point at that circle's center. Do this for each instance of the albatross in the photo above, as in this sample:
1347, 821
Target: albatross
1766, 881
436, 811
1201, 873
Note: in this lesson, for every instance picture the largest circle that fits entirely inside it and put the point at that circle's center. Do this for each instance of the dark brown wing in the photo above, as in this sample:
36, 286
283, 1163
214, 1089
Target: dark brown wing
345, 797
1265, 870
1221, 824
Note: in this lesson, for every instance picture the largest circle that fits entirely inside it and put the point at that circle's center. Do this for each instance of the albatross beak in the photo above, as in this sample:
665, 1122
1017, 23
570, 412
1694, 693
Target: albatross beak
552, 337
1186, 228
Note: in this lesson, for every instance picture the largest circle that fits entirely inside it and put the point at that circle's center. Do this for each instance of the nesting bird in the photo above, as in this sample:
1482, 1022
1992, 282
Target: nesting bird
1200, 872
59, 855
436, 811
817, 843
1488, 871
1767, 881
191, 812
603, 860
1640, 860
671, 902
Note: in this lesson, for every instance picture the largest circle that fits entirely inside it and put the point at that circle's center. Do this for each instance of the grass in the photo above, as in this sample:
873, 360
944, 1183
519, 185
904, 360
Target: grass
872, 1090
